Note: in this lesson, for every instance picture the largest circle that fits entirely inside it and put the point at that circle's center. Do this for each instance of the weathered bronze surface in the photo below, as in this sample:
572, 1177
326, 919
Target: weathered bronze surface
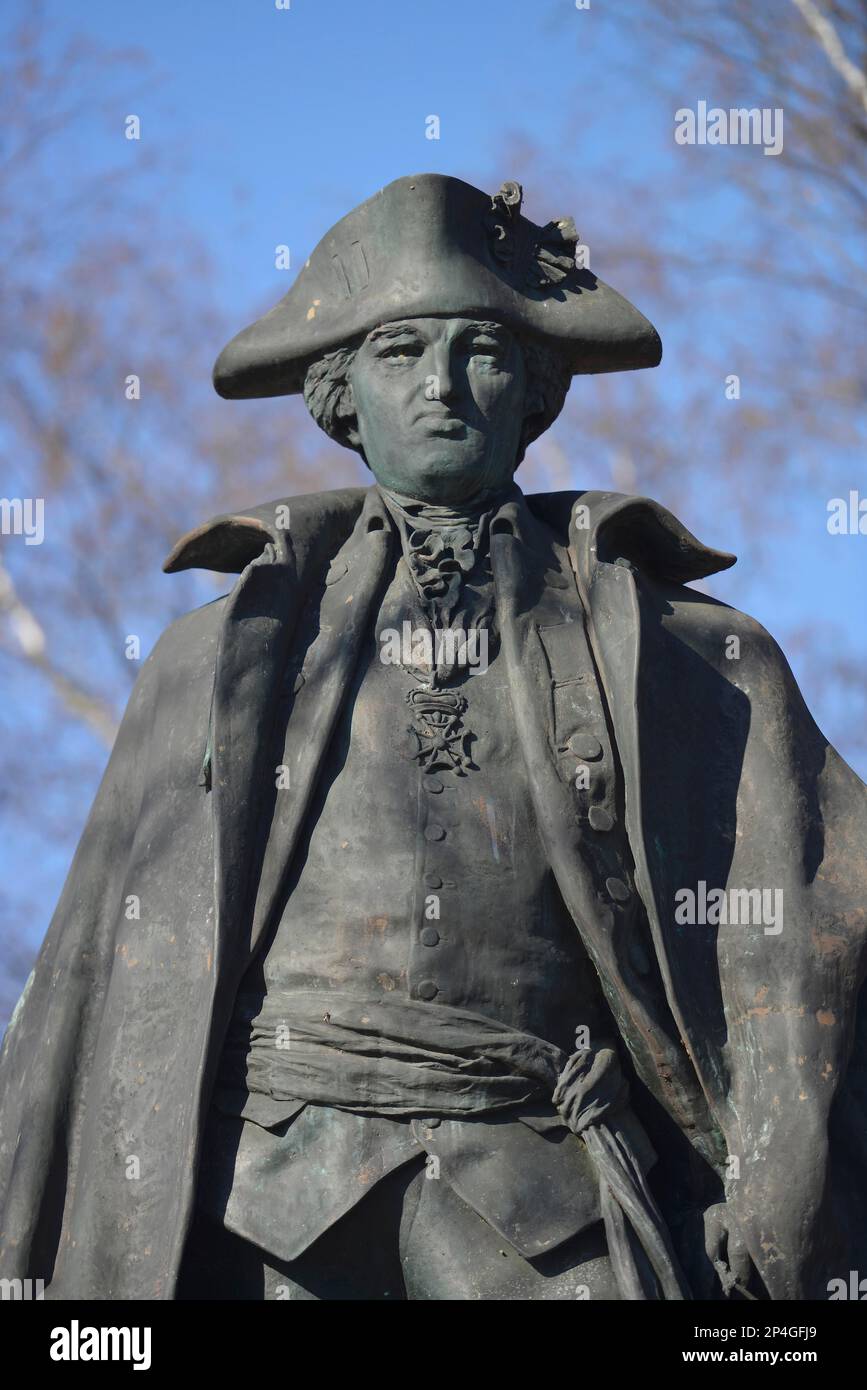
497, 932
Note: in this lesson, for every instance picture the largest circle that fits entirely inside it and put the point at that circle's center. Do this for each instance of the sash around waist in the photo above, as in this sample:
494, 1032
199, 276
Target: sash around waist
407, 1058
399, 1057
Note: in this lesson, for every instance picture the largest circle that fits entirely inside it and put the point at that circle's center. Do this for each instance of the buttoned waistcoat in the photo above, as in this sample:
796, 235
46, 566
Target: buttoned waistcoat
435, 888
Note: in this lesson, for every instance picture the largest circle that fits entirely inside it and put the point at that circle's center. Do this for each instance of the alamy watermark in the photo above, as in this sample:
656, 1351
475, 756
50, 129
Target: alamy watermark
854, 1288
23, 516
77, 1343
429, 647
22, 1290
739, 125
847, 516
730, 907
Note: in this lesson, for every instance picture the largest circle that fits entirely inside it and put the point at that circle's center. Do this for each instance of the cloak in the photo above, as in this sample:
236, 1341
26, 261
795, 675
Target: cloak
748, 1037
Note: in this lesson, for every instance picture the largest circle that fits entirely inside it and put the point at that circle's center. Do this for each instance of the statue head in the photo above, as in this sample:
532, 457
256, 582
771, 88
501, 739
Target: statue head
440, 408
435, 330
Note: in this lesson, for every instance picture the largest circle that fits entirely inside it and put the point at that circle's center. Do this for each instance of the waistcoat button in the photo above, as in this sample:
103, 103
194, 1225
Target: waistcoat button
617, 889
433, 880
434, 832
433, 784
600, 819
427, 990
429, 936
585, 746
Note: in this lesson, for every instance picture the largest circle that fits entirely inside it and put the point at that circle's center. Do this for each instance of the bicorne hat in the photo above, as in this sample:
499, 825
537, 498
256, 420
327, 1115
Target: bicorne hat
431, 245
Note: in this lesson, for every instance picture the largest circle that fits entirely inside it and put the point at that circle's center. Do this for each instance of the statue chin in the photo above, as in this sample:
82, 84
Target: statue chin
452, 481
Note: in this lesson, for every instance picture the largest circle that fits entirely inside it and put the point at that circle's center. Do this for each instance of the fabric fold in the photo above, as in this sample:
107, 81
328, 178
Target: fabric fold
406, 1058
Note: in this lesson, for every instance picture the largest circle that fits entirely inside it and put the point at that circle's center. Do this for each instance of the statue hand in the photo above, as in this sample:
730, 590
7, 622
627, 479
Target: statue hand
727, 1251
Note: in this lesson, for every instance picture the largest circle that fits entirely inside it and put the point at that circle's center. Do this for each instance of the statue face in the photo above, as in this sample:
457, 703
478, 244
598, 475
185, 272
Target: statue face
440, 406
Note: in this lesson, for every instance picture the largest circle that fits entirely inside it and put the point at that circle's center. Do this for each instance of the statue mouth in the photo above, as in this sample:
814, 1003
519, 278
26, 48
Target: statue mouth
448, 426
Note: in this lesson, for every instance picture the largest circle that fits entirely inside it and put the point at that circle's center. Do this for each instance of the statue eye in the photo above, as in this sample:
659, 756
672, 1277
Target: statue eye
486, 347
402, 351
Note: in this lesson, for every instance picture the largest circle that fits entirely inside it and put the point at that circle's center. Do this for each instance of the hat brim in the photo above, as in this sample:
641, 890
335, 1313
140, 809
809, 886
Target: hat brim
419, 249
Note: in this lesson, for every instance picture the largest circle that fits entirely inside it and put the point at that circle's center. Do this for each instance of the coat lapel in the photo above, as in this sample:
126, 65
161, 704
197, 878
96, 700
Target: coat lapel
352, 584
256, 817
639, 1006
251, 656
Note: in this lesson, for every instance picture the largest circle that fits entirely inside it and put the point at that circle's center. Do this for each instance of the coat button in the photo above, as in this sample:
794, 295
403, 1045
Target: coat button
585, 746
427, 990
600, 819
617, 889
433, 881
433, 785
434, 832
429, 936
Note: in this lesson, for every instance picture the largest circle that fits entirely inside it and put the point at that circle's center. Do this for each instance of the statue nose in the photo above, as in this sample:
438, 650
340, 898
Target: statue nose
444, 375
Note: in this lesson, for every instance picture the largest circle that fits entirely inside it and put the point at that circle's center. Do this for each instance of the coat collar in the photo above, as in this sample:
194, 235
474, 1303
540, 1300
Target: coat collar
604, 526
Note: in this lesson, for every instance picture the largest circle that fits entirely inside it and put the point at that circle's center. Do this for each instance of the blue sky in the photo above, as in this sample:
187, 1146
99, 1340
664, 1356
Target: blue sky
281, 121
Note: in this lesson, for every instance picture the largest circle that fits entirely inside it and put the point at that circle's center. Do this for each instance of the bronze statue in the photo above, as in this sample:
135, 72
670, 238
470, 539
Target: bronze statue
470, 909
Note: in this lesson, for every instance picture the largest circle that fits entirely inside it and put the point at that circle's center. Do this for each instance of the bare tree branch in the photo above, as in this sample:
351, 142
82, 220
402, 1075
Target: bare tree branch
823, 28
32, 645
